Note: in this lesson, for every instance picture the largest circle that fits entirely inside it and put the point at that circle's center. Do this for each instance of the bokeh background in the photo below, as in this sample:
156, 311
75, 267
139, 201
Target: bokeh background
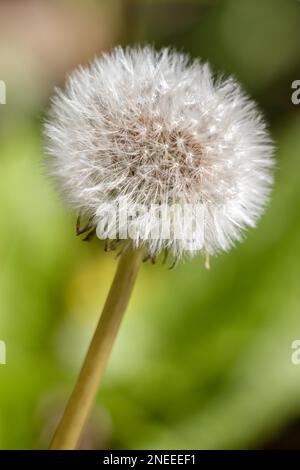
203, 359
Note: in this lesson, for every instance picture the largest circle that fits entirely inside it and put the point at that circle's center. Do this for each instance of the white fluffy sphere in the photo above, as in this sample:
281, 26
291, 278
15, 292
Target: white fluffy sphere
154, 128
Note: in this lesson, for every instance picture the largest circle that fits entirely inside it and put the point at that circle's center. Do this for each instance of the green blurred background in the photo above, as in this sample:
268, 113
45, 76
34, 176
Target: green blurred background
203, 359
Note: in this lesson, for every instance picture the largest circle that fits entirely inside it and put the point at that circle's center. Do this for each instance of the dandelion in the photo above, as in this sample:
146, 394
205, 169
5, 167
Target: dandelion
153, 128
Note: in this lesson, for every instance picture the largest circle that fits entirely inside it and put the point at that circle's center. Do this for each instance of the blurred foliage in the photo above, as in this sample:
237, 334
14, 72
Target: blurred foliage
203, 359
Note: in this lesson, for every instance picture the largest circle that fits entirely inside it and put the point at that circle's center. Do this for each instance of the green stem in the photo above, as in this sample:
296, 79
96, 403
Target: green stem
77, 410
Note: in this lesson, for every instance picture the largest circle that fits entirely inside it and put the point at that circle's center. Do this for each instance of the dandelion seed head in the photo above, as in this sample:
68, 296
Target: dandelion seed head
158, 128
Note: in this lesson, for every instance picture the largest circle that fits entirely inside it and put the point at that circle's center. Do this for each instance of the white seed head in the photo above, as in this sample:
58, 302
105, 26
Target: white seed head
154, 128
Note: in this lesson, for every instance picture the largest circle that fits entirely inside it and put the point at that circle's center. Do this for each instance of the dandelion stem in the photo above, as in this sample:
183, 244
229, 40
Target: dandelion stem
75, 415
